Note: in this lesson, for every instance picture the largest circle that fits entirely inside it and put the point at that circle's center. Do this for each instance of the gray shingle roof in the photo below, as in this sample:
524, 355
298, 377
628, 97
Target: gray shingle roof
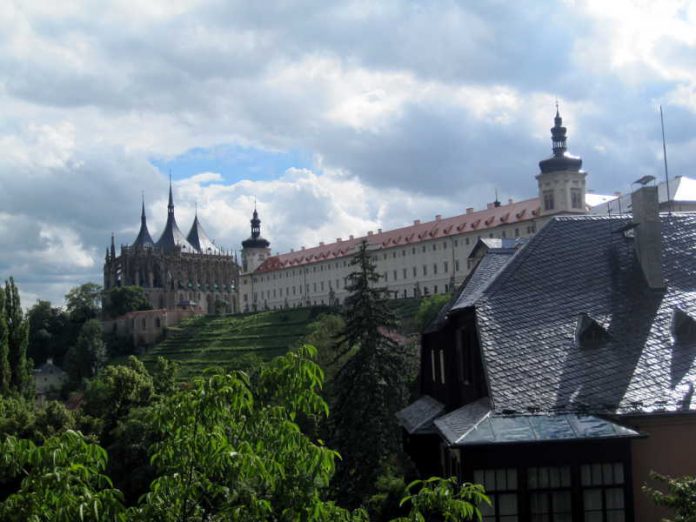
418, 416
527, 318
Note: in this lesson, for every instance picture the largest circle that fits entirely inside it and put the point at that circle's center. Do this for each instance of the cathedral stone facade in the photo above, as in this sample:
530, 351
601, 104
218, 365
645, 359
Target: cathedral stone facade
177, 271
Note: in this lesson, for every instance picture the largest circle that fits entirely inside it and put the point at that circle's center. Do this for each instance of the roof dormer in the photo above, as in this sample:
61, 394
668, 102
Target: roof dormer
589, 332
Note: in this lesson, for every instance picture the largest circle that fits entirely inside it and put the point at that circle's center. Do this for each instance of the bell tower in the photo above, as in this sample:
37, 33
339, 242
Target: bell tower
561, 182
255, 249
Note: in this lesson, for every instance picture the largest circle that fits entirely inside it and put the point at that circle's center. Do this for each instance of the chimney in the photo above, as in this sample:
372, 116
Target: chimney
470, 210
351, 236
646, 216
510, 201
438, 217
416, 221
338, 240
379, 230
303, 248
321, 243
489, 205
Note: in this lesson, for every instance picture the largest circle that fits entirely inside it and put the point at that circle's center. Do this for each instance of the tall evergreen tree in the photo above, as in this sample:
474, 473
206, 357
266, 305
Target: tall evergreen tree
5, 371
370, 387
18, 339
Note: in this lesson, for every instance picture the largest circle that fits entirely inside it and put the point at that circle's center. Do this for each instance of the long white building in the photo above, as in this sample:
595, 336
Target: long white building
423, 258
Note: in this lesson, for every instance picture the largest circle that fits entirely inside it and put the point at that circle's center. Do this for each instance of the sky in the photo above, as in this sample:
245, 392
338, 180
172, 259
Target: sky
335, 117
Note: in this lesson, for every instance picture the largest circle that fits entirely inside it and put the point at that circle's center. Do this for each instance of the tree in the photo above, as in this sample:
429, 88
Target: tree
88, 355
84, 302
62, 480
164, 376
370, 387
123, 299
5, 371
17, 341
429, 308
441, 499
680, 496
50, 332
230, 449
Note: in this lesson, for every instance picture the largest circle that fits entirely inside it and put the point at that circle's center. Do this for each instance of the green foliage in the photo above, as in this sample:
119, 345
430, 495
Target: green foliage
50, 332
370, 387
62, 480
164, 376
88, 355
680, 496
441, 499
84, 302
123, 299
5, 371
117, 389
231, 451
19, 417
17, 328
429, 308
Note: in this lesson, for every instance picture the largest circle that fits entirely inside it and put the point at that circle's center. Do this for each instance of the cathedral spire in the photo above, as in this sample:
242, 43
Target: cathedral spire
113, 247
171, 236
558, 134
144, 240
170, 207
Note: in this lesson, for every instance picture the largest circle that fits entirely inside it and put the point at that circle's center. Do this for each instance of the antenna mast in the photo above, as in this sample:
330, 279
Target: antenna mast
664, 156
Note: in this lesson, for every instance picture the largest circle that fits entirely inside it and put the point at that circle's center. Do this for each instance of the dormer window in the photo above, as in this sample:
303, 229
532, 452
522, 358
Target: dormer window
683, 326
589, 332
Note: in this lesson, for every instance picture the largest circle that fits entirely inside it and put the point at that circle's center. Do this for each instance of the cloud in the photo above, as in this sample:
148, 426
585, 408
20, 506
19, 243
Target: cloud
338, 118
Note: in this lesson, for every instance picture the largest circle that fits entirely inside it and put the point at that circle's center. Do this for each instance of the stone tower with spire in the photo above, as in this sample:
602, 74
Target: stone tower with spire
177, 271
561, 182
255, 249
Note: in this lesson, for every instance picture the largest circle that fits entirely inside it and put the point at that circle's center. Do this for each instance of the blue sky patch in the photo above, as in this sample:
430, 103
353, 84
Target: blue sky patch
233, 162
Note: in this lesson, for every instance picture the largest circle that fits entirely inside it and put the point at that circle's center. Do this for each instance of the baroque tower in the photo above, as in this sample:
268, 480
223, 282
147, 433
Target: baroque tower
561, 181
255, 249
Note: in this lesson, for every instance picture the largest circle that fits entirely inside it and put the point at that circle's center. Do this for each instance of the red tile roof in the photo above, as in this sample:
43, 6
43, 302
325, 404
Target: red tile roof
483, 219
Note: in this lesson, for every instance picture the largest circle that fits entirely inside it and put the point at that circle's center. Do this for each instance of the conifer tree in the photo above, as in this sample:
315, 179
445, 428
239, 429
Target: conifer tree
370, 387
18, 339
5, 372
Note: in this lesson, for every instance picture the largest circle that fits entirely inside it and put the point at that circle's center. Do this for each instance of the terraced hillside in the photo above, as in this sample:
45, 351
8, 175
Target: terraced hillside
241, 340
232, 341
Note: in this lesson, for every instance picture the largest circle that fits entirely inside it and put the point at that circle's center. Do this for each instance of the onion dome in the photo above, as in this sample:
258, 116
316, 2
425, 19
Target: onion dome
172, 237
200, 240
144, 240
560, 160
255, 241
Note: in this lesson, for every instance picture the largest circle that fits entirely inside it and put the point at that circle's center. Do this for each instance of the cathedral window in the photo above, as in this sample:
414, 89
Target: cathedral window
548, 200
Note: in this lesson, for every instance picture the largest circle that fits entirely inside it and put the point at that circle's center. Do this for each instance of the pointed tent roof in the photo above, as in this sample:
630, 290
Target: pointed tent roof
144, 240
171, 236
200, 240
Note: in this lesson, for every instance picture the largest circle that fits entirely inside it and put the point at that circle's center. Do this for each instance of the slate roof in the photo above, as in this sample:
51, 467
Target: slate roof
527, 317
477, 423
418, 416
144, 240
682, 189
200, 240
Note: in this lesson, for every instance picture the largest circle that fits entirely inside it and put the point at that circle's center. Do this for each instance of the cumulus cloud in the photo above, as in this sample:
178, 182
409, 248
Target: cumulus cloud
406, 109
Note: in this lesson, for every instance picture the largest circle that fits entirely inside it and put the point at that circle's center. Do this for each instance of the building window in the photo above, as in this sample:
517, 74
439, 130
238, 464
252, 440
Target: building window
425, 270
415, 273
603, 492
575, 198
386, 276
432, 360
442, 366
549, 494
395, 274
444, 245
394, 254
434, 247
501, 488
434, 268
548, 200
405, 272
322, 286
517, 232
466, 241
435, 289
423, 248
456, 242
413, 250
445, 267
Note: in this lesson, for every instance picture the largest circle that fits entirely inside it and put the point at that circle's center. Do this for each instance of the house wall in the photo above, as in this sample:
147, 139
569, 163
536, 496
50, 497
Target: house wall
667, 449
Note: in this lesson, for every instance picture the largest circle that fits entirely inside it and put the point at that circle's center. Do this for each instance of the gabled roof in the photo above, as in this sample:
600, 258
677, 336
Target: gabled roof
418, 416
527, 318
200, 240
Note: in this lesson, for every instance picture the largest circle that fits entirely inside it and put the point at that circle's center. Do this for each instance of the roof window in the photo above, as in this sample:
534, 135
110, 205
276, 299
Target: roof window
683, 326
589, 332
